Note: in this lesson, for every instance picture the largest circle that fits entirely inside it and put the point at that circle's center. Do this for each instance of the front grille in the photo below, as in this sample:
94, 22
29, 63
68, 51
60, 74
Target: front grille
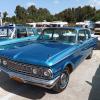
18, 67
26, 69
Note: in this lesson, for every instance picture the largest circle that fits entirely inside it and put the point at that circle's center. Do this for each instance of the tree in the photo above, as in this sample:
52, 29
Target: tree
5, 15
72, 15
97, 15
32, 13
77, 14
21, 14
43, 14
88, 12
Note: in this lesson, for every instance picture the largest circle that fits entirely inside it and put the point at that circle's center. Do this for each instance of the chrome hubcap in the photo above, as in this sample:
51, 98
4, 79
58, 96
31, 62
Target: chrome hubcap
64, 80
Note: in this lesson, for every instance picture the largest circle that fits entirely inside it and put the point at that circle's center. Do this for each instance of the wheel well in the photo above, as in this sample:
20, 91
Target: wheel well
69, 68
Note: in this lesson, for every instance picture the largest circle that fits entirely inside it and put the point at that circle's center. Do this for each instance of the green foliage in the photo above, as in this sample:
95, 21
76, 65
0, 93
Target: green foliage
43, 14
77, 14
97, 16
21, 14
33, 14
5, 15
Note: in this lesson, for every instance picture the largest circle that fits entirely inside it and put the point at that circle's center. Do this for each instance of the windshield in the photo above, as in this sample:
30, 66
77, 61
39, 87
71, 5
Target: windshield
30, 31
33, 31
61, 35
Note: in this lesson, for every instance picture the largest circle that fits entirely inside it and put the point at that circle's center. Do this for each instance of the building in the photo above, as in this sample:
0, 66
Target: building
49, 24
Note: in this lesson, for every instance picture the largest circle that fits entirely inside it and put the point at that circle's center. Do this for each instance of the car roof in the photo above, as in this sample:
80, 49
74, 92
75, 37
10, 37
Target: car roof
6, 27
74, 28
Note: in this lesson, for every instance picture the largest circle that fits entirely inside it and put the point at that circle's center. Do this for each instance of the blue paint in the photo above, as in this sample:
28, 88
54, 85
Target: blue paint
53, 55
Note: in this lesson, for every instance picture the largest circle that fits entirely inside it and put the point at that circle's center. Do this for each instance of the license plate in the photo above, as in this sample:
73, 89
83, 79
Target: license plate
17, 79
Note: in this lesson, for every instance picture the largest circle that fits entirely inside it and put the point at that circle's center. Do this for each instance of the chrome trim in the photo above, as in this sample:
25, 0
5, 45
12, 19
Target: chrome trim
26, 69
31, 80
51, 73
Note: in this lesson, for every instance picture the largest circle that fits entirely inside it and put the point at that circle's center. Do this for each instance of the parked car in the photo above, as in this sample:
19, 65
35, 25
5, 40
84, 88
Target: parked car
12, 34
97, 28
49, 61
86, 24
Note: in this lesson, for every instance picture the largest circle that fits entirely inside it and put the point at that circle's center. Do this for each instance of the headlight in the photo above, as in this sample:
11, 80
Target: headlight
42, 73
35, 71
4, 62
47, 73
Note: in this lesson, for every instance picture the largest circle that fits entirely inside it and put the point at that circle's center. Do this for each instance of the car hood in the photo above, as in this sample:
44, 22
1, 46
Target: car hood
15, 45
3, 39
41, 53
17, 42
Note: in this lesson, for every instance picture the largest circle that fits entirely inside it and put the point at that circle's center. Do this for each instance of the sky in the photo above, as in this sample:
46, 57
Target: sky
54, 6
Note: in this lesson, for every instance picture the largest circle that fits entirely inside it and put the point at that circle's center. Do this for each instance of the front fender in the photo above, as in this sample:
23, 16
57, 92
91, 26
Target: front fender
60, 67
67, 63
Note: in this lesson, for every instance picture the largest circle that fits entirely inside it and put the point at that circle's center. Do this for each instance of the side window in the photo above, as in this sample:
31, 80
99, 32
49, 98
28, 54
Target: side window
87, 32
47, 35
21, 33
81, 36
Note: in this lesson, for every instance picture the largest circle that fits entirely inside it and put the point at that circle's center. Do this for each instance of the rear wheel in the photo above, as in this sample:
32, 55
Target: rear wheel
90, 56
62, 82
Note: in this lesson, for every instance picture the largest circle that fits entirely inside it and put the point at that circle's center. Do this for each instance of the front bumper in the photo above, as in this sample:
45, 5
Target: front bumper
31, 80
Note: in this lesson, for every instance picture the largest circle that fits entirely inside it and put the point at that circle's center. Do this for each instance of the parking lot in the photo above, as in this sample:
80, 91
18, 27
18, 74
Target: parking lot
84, 85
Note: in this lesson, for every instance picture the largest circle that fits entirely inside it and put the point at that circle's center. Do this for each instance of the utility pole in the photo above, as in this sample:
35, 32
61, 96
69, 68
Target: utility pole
0, 19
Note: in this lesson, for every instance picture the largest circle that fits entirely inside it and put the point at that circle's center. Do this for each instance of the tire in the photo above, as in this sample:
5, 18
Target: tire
90, 56
62, 82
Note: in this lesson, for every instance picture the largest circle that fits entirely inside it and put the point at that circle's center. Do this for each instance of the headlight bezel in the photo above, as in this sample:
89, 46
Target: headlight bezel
49, 72
34, 71
4, 62
42, 71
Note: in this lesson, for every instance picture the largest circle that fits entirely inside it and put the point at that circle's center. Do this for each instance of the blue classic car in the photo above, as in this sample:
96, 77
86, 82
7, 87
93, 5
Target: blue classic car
49, 61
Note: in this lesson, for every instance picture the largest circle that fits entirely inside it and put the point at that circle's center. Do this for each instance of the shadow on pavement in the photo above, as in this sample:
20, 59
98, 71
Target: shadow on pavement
24, 90
95, 91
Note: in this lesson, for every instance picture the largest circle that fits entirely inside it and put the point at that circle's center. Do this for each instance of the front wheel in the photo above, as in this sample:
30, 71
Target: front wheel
62, 82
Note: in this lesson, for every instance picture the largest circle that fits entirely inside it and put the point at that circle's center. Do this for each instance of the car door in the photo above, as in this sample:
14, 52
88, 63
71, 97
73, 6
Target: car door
84, 42
84, 46
89, 42
80, 52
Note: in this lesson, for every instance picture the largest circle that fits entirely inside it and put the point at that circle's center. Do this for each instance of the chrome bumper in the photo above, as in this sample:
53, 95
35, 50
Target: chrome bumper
31, 80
